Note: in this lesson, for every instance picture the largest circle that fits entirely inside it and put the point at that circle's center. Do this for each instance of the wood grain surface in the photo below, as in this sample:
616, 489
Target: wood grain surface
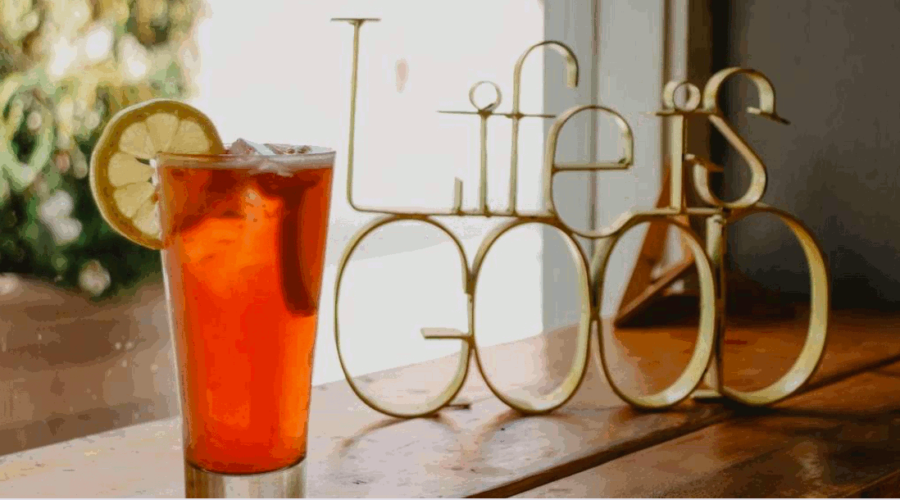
840, 440
480, 448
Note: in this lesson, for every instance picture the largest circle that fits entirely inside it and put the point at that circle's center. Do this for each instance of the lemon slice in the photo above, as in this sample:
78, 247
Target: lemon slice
122, 180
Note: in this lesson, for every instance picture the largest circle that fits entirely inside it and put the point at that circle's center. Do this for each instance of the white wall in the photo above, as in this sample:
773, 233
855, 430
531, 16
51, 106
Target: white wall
620, 45
572, 23
630, 80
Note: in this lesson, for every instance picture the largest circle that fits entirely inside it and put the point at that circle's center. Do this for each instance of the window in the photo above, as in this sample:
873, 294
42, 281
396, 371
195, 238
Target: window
284, 75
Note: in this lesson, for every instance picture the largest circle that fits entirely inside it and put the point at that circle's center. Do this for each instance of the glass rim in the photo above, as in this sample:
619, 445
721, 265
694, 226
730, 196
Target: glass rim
318, 156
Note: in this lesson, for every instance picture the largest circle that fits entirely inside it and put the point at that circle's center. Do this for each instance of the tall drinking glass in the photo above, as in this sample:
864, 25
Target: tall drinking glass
243, 252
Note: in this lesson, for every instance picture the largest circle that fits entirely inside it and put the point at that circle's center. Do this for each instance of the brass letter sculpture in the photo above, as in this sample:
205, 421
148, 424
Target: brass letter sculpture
706, 356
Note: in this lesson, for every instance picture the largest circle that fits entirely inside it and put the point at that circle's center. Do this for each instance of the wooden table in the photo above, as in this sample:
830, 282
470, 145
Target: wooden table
838, 438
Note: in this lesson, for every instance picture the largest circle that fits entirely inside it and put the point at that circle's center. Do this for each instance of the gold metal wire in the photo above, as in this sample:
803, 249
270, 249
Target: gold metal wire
706, 357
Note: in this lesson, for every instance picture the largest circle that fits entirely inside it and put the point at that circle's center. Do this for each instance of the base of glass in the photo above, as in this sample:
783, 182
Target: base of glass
283, 483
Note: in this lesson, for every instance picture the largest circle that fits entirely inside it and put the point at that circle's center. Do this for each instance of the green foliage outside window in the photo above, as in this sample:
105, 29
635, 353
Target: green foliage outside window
66, 66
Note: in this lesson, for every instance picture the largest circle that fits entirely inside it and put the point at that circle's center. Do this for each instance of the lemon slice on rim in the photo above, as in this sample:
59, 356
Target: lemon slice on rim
122, 180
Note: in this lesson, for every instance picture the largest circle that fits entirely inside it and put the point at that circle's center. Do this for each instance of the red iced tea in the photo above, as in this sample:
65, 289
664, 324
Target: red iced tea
244, 245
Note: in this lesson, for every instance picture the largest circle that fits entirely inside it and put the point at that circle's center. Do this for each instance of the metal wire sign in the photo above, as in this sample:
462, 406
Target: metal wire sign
709, 257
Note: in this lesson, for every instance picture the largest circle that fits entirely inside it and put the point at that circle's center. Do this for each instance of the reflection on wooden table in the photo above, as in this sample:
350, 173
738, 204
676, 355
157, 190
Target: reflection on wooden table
484, 448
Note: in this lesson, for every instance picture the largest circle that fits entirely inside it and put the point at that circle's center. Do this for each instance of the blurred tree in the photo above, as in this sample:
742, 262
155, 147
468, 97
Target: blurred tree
66, 66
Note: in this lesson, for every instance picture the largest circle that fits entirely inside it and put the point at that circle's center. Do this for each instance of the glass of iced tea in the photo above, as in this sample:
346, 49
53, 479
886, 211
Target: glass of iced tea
243, 247
242, 233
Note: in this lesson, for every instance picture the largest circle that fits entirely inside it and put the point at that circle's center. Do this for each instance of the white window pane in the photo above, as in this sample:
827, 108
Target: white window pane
280, 72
